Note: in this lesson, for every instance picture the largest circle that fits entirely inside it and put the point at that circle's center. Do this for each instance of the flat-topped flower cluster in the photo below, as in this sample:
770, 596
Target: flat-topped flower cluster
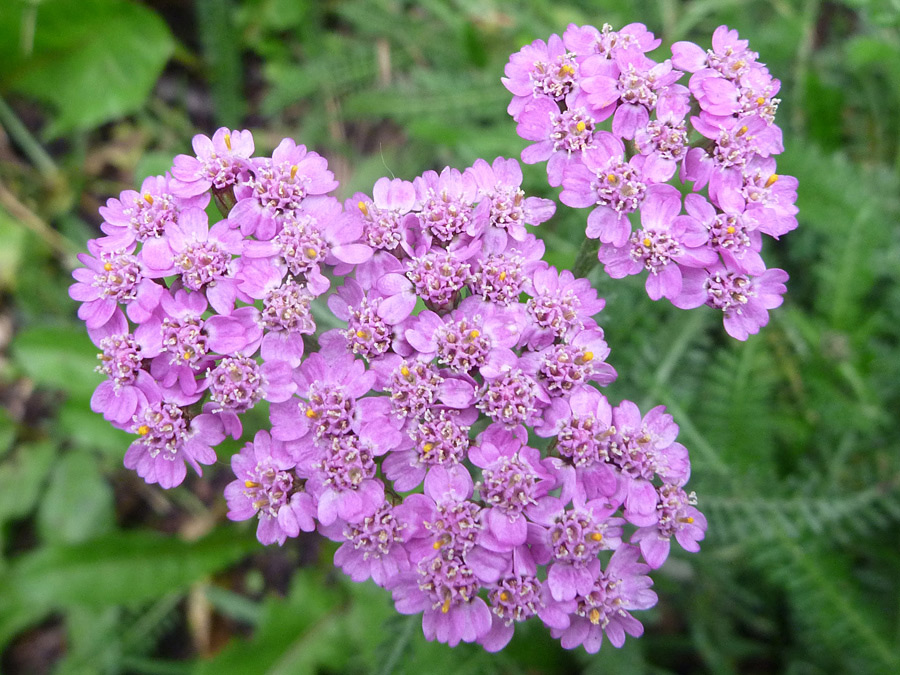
565, 88
450, 434
405, 437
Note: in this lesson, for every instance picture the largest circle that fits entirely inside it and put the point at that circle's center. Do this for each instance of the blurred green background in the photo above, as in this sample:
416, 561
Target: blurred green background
793, 434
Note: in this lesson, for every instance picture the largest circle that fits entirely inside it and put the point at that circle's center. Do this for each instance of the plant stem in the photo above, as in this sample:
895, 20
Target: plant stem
683, 337
222, 59
26, 142
64, 249
586, 259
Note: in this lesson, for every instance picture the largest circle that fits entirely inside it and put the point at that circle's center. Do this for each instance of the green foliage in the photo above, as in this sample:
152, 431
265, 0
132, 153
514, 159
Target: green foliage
78, 503
824, 601
122, 568
93, 60
12, 245
793, 435
735, 411
840, 517
317, 627
222, 58
22, 476
59, 357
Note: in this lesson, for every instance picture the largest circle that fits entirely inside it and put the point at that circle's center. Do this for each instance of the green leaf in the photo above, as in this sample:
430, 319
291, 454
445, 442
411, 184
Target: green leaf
12, 249
7, 431
853, 228
825, 602
59, 357
123, 568
296, 635
107, 640
843, 516
321, 626
22, 477
92, 60
339, 67
221, 53
736, 409
84, 428
78, 503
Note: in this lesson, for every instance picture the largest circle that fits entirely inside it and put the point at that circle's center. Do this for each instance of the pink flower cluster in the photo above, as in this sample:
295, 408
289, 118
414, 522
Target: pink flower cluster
197, 321
409, 435
564, 90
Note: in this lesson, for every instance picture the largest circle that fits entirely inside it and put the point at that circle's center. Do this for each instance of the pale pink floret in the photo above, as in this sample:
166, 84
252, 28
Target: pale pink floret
517, 598
374, 548
462, 621
146, 214
614, 187
277, 188
385, 222
265, 488
167, 441
515, 485
733, 234
571, 538
440, 437
768, 196
666, 243
447, 208
541, 69
743, 300
560, 137
510, 210
112, 275
642, 449
564, 368
585, 41
560, 306
678, 516
202, 255
633, 86
467, 337
623, 586
340, 475
738, 141
119, 402
729, 55
318, 233
324, 386
181, 348
220, 162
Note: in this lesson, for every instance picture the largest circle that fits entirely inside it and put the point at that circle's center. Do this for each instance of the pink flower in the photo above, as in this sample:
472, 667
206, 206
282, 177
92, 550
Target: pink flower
220, 162
541, 69
604, 608
744, 300
666, 243
614, 187
265, 487
167, 441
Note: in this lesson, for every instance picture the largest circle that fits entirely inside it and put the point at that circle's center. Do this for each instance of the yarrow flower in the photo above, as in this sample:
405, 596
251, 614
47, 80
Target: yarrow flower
616, 168
454, 339
404, 433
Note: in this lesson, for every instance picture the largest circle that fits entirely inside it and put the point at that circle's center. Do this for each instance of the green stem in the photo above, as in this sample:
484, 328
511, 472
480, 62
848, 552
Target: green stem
224, 200
222, 58
60, 245
26, 142
400, 645
706, 454
586, 259
684, 336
